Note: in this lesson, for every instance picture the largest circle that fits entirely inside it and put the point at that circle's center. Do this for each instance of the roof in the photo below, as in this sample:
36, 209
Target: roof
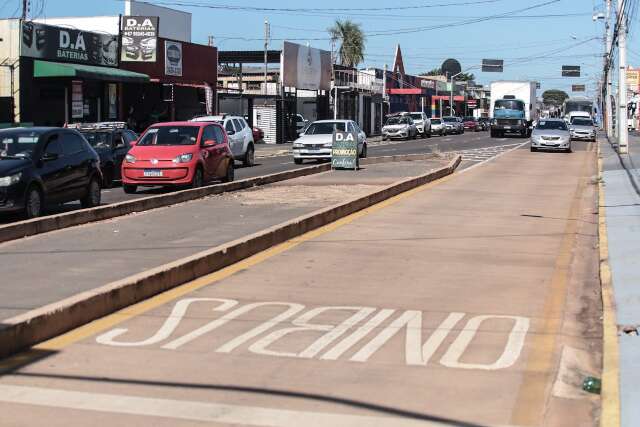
183, 123
333, 121
58, 69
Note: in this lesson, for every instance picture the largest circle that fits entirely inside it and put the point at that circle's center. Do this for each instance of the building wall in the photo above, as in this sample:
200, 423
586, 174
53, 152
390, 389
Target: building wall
9, 54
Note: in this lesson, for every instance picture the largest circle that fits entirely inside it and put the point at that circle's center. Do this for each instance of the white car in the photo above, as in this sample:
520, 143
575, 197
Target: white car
422, 122
239, 133
399, 126
551, 134
317, 140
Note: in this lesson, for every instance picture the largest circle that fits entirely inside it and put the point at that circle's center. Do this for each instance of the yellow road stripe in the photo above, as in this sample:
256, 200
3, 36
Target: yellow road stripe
610, 393
109, 321
530, 403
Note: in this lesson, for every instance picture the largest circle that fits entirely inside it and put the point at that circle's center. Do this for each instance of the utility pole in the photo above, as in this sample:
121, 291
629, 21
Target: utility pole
25, 9
608, 86
623, 133
267, 35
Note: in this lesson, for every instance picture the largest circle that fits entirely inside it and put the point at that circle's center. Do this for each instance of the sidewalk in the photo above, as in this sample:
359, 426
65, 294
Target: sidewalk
622, 207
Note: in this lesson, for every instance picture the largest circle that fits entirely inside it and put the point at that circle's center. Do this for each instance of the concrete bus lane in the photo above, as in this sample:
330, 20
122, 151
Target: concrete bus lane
472, 302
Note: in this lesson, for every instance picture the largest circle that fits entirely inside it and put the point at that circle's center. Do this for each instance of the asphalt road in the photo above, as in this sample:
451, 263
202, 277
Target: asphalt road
471, 301
280, 163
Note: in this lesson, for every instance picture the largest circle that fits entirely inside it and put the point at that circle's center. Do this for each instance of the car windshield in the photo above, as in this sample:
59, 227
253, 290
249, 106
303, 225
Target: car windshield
504, 104
170, 135
397, 121
416, 116
97, 139
581, 121
450, 119
18, 143
325, 128
469, 119
552, 125
436, 121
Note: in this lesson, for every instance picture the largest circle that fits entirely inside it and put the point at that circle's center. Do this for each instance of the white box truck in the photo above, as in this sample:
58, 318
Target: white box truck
513, 108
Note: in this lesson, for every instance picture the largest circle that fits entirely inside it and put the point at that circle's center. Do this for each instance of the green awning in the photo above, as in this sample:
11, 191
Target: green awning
59, 69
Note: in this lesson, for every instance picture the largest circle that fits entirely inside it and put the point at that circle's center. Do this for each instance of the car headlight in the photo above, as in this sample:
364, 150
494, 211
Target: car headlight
6, 181
298, 145
183, 158
129, 158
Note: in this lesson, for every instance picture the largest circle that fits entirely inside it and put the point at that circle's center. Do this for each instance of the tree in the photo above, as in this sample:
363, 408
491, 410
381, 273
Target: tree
352, 41
554, 97
464, 77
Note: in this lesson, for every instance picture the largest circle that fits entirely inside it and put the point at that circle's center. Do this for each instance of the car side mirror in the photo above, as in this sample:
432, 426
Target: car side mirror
133, 143
48, 157
209, 143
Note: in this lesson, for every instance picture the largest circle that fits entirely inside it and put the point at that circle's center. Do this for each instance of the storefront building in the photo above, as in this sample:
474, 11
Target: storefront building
62, 75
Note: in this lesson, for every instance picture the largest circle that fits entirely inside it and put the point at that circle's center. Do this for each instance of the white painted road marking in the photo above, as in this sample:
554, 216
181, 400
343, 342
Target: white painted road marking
208, 412
281, 326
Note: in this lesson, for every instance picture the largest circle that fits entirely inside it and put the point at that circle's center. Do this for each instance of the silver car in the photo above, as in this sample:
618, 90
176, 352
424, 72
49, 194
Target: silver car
399, 127
438, 127
551, 134
317, 139
582, 128
453, 124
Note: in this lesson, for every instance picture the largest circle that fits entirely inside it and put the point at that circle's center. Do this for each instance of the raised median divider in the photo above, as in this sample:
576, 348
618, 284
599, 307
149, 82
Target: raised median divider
28, 329
32, 227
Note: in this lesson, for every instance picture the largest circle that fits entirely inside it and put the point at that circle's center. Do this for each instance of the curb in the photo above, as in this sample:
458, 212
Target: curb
38, 325
610, 392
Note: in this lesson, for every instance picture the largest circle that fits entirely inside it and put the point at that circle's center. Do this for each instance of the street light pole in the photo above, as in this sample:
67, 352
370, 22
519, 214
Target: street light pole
608, 84
623, 133
451, 96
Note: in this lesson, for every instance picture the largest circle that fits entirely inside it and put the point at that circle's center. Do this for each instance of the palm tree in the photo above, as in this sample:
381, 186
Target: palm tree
352, 39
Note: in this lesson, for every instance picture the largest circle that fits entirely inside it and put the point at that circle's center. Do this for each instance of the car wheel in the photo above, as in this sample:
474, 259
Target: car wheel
130, 189
33, 203
230, 175
94, 195
198, 179
297, 161
533, 150
569, 150
249, 156
107, 177
363, 155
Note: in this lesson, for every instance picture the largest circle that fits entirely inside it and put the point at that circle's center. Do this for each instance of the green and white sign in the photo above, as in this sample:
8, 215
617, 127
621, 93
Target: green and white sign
344, 150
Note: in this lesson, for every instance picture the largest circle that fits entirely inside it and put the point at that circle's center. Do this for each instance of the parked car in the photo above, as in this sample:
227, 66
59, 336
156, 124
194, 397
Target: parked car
178, 154
471, 123
400, 126
239, 133
484, 122
582, 128
551, 134
40, 166
111, 140
258, 134
438, 127
317, 140
453, 124
422, 122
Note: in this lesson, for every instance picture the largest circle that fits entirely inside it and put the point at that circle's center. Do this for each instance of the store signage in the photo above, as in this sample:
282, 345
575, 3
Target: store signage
139, 35
68, 45
492, 65
633, 78
472, 103
344, 150
77, 104
304, 67
173, 58
429, 84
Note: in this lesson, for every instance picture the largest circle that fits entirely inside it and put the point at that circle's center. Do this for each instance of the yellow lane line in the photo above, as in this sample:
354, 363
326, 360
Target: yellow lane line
610, 393
109, 321
530, 403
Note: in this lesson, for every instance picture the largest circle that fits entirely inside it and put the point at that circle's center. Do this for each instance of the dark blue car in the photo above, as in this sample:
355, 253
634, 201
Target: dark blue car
40, 166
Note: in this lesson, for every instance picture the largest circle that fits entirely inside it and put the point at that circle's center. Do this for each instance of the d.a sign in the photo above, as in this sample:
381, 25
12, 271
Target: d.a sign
344, 150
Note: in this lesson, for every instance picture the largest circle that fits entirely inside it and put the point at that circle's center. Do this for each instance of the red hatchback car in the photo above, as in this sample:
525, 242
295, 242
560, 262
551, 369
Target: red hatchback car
178, 154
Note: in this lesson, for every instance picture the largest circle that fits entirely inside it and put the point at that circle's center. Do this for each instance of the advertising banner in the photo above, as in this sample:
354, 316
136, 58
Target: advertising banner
139, 35
77, 104
173, 58
633, 78
304, 67
68, 45
578, 88
344, 150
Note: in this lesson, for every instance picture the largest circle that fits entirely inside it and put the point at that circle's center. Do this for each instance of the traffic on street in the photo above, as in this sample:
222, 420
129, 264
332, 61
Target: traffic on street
339, 214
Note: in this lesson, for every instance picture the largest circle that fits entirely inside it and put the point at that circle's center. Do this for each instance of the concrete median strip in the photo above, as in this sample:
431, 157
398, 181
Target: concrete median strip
46, 224
35, 326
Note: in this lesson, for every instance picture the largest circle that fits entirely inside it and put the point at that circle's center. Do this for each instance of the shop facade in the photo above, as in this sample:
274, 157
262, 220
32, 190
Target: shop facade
63, 75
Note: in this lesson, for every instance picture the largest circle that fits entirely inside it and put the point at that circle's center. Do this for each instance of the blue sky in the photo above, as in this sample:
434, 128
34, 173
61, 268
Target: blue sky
532, 47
